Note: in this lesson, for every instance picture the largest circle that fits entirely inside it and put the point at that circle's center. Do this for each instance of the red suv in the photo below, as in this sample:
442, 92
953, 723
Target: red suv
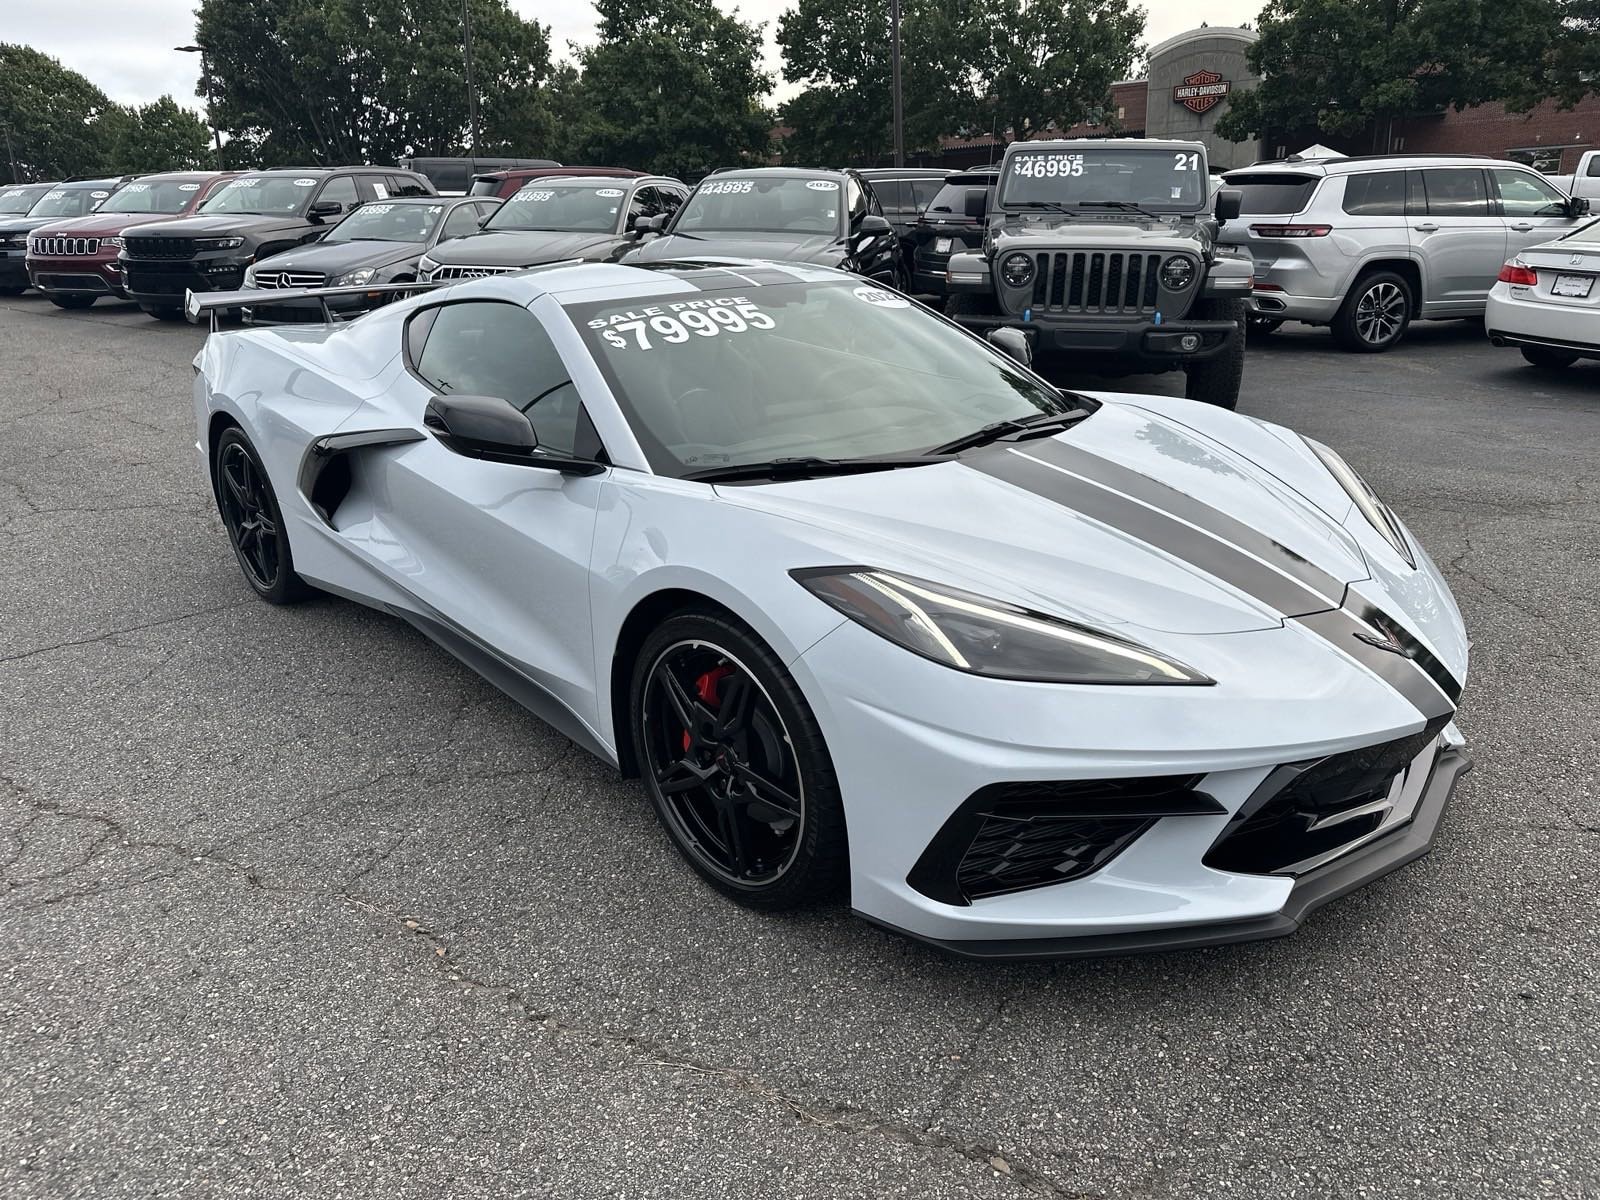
74, 262
505, 184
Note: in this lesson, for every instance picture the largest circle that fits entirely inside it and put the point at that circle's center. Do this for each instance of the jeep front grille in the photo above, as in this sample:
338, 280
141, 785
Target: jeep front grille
290, 279
160, 247
451, 272
1096, 282
64, 246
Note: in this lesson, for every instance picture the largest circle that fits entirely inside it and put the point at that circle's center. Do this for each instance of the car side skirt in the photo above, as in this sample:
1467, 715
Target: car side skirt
1311, 891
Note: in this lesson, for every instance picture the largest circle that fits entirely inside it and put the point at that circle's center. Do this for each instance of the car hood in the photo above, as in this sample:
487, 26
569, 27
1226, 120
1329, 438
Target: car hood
240, 223
521, 248
336, 258
1019, 521
105, 224
821, 249
1114, 234
29, 224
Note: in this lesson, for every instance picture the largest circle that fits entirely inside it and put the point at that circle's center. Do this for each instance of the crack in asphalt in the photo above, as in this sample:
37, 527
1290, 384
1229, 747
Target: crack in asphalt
112, 633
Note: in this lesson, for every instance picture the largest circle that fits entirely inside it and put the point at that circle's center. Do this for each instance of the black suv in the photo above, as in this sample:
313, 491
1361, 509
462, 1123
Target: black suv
944, 228
828, 218
555, 220
57, 202
904, 191
256, 215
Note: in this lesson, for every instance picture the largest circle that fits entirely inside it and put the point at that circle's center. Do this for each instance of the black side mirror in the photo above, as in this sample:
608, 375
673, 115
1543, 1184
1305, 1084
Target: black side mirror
495, 430
325, 208
873, 226
1012, 342
644, 225
1228, 203
1578, 206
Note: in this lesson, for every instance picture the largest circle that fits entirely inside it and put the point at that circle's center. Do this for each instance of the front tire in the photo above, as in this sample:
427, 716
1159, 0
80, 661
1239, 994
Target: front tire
12, 291
735, 764
72, 301
254, 522
1548, 358
1216, 380
1376, 313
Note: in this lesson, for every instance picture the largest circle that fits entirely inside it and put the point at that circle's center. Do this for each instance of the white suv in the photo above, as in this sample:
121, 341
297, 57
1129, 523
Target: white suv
1366, 245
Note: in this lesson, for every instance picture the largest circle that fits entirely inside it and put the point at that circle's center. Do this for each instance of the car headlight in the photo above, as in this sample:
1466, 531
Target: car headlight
1177, 273
250, 276
114, 242
12, 241
223, 243
981, 636
356, 278
1377, 513
426, 267
1016, 270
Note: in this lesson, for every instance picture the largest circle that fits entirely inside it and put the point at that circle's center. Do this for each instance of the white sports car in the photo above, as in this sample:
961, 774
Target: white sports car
1547, 300
870, 607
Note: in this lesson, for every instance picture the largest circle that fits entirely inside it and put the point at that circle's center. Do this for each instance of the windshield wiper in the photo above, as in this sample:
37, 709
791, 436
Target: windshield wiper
1047, 205
810, 467
1119, 205
1037, 425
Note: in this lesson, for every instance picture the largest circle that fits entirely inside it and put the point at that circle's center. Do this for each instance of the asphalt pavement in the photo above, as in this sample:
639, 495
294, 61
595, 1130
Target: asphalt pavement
292, 904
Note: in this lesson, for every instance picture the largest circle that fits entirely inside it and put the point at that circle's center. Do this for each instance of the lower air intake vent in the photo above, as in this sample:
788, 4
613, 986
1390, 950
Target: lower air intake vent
1014, 836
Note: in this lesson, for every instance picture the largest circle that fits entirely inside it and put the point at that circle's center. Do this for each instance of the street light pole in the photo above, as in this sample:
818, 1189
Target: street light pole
894, 59
211, 103
472, 92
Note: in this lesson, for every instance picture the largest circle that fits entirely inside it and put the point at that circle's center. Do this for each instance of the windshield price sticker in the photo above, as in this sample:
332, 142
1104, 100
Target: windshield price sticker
674, 324
1047, 166
10, 195
822, 185
136, 187
531, 194
727, 187
880, 297
248, 183
98, 195
305, 183
55, 195
380, 209
188, 187
1185, 162
608, 192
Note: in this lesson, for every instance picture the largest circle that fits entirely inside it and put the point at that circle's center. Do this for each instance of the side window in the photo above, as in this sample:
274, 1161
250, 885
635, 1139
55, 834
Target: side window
644, 204
891, 193
1526, 195
1377, 194
1455, 192
490, 348
463, 219
341, 188
855, 198
374, 187
1594, 166
406, 185
671, 199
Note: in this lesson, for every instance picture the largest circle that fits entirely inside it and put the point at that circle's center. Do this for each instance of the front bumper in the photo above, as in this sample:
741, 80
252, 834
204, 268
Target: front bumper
1285, 306
1144, 343
13, 269
76, 276
163, 281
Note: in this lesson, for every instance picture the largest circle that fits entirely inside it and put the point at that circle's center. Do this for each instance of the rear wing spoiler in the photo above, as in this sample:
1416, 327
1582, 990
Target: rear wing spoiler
216, 303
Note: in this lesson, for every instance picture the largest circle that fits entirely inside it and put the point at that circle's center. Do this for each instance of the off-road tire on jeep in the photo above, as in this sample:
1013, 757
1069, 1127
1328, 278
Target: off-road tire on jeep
1548, 358
1376, 313
163, 312
1216, 380
72, 301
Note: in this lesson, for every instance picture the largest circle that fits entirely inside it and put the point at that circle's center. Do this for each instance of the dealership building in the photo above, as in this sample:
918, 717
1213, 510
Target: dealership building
1192, 77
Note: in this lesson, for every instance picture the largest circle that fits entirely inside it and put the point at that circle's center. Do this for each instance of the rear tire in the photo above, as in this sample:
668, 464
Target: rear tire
1216, 380
1376, 313
250, 513
162, 312
735, 764
72, 301
1548, 358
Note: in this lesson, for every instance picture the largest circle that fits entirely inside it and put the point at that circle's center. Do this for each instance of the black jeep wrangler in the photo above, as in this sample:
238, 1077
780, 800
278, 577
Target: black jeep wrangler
1106, 250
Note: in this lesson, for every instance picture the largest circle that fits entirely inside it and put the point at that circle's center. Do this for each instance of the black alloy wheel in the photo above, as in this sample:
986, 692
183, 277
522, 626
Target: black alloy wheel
255, 525
735, 764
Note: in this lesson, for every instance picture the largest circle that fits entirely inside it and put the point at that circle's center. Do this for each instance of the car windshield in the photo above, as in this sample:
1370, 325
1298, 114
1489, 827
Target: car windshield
561, 208
387, 223
263, 195
68, 202
762, 204
838, 369
1153, 179
952, 197
152, 196
16, 201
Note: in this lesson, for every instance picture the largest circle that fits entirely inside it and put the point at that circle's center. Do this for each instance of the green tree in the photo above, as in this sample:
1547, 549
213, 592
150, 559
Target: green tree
160, 136
673, 86
1569, 69
344, 81
1345, 67
50, 118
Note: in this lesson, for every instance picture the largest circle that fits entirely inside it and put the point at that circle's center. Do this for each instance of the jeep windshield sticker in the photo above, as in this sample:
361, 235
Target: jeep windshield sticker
822, 185
537, 196
1104, 177
55, 195
727, 187
881, 297
305, 183
137, 187
656, 325
608, 192
241, 183
188, 187
1042, 166
11, 195
377, 209
98, 195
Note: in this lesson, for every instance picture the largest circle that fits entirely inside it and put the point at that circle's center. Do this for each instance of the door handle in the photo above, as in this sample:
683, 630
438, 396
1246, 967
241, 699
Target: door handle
1522, 228
1426, 227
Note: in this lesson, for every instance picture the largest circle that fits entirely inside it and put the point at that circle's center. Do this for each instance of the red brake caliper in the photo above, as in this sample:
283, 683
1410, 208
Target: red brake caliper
706, 688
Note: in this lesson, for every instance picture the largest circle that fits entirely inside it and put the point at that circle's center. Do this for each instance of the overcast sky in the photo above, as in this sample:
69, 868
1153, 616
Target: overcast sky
125, 46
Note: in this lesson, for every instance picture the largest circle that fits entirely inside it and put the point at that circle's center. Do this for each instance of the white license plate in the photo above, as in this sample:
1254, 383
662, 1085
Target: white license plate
941, 245
1577, 287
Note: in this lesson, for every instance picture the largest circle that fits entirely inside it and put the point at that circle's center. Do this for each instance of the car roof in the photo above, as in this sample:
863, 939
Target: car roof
903, 172
1371, 162
783, 172
629, 180
583, 282
545, 172
109, 181
1104, 144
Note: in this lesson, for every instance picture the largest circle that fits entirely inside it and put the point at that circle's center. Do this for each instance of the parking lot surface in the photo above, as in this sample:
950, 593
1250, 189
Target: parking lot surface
295, 905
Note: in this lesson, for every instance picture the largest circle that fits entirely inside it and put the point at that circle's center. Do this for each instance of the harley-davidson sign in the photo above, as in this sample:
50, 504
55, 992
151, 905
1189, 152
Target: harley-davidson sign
1202, 91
